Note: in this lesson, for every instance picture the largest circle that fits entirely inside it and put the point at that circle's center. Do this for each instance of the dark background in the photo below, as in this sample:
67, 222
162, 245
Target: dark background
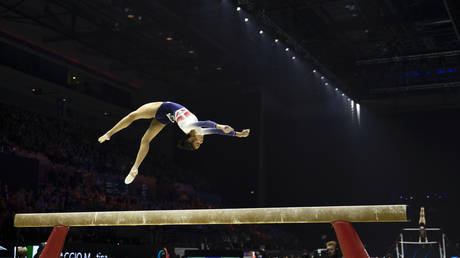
308, 145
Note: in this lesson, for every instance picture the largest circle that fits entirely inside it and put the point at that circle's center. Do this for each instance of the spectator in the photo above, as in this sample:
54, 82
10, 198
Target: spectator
72, 180
332, 249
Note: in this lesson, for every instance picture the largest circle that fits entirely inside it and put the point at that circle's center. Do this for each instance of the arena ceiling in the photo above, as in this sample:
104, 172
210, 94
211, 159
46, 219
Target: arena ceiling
353, 36
135, 39
377, 48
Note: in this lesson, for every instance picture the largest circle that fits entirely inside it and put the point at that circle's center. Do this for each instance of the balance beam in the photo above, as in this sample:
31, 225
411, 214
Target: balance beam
380, 213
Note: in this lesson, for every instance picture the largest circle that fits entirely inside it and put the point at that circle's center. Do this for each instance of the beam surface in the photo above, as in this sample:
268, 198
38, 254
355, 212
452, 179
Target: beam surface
328, 214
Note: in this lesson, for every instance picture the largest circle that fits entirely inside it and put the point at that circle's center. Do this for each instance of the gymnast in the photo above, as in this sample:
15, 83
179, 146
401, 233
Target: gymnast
162, 114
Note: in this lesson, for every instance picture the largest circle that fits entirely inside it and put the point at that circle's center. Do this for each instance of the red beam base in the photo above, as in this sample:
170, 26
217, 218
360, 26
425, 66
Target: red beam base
349, 241
55, 243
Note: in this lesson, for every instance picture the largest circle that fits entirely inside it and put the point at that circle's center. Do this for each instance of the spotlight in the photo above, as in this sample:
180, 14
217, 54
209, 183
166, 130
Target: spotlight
261, 32
314, 70
326, 84
322, 77
348, 99
287, 49
293, 57
169, 38
74, 77
343, 94
276, 40
37, 91
336, 89
246, 19
238, 8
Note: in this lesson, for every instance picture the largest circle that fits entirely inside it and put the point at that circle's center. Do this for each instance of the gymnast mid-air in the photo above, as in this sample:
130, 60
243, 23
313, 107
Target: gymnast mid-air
162, 114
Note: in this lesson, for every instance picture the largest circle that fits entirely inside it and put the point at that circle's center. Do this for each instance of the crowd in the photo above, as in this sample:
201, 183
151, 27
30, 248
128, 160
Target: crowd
71, 144
77, 174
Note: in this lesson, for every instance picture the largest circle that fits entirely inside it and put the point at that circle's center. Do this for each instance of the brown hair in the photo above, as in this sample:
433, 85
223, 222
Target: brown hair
184, 144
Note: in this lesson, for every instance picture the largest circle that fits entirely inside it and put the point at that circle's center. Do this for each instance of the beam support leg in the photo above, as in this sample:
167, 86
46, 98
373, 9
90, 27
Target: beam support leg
55, 243
349, 241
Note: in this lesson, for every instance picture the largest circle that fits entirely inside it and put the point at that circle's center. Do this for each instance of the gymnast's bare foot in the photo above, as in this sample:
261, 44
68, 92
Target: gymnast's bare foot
103, 138
130, 177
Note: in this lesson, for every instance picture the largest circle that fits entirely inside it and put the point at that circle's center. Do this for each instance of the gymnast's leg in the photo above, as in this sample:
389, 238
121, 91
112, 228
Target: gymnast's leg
144, 112
154, 128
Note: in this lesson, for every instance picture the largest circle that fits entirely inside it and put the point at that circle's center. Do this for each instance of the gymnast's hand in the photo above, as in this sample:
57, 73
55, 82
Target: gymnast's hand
244, 133
224, 128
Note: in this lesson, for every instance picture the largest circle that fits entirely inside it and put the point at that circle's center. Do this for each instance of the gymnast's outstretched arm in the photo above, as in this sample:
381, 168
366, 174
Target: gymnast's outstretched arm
210, 127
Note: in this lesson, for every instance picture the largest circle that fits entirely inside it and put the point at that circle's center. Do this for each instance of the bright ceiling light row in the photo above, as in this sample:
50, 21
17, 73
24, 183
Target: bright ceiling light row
336, 89
246, 19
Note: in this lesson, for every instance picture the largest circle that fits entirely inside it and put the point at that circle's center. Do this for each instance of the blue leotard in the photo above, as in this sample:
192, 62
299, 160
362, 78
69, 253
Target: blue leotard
170, 112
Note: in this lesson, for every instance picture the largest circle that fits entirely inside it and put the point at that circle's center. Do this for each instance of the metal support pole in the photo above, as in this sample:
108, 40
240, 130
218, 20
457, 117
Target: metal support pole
444, 245
402, 245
